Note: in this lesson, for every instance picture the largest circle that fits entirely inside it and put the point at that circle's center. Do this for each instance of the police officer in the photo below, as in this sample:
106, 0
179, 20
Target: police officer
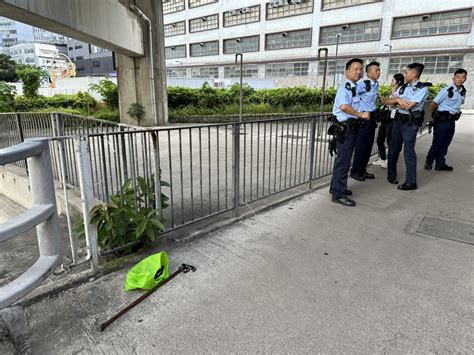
367, 88
346, 110
409, 116
446, 110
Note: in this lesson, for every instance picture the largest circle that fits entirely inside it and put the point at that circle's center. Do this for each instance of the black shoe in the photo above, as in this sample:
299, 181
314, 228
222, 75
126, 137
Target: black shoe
392, 180
407, 187
428, 166
345, 201
369, 176
357, 177
444, 168
348, 192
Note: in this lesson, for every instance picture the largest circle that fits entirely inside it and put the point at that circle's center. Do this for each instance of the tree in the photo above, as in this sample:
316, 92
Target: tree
7, 97
31, 78
7, 68
109, 92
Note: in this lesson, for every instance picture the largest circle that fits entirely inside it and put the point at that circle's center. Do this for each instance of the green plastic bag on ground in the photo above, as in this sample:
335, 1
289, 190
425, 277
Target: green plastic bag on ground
148, 272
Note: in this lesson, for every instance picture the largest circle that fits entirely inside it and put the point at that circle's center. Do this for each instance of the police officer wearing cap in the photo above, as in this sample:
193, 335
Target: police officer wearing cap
367, 88
446, 111
410, 101
346, 112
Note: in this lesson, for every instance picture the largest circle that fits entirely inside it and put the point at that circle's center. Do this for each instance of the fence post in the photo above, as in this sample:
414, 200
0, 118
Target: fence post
87, 198
20, 132
312, 143
157, 172
236, 167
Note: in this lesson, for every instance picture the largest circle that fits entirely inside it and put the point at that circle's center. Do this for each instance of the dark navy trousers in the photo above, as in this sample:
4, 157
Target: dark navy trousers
443, 134
363, 148
342, 163
403, 134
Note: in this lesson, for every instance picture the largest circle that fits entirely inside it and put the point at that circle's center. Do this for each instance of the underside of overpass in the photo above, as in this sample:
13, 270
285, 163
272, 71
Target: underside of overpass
118, 25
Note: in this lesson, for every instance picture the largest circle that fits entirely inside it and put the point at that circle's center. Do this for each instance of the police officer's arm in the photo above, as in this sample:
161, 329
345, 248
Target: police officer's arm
439, 98
350, 111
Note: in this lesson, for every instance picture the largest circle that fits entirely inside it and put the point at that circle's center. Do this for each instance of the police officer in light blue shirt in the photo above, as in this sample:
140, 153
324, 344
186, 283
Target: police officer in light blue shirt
346, 110
410, 101
446, 108
367, 88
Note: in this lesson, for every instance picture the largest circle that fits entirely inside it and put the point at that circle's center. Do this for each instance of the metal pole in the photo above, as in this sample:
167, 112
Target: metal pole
22, 138
87, 197
236, 167
325, 68
338, 36
241, 100
389, 56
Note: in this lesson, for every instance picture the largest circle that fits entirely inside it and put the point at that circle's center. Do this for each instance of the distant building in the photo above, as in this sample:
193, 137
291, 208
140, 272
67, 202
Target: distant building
89, 59
37, 54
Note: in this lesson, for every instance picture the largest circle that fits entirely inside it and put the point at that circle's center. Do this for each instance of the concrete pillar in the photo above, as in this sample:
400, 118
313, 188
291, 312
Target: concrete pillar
133, 74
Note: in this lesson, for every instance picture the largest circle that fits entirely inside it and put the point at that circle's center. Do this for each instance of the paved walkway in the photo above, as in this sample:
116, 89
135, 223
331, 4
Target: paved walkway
310, 276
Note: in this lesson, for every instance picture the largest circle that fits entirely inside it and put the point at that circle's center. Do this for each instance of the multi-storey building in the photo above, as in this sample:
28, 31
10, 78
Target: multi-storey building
38, 54
89, 59
14, 32
280, 39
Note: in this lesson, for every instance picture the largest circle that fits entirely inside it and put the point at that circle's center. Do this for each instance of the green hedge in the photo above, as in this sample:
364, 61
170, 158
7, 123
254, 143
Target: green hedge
206, 100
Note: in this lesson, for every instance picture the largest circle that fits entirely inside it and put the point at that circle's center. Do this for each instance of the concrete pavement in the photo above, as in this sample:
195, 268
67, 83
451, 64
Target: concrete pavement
309, 276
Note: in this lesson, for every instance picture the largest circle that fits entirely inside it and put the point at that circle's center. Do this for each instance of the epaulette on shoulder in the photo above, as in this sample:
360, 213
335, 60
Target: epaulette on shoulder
402, 88
352, 89
463, 91
367, 85
420, 85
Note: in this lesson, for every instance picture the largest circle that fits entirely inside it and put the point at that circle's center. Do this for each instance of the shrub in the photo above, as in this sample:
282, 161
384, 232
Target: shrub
7, 97
31, 78
128, 216
109, 92
136, 111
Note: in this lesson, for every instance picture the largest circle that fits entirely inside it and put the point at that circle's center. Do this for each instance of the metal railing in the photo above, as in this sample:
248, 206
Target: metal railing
208, 169
41, 215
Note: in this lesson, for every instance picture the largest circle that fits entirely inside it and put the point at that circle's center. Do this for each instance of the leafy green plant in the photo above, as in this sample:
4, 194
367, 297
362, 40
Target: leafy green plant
7, 68
109, 92
31, 78
136, 111
7, 97
128, 216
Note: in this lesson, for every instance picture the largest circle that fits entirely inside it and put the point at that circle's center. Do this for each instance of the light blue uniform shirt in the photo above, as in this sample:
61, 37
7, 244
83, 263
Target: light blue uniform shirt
344, 97
414, 94
368, 99
451, 104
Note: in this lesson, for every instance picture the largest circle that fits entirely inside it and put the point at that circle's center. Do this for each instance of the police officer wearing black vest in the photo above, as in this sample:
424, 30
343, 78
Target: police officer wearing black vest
344, 129
367, 88
445, 112
410, 101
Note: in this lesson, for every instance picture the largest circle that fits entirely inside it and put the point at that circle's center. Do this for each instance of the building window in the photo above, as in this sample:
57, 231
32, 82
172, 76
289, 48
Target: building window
432, 24
242, 45
242, 16
289, 39
249, 71
332, 4
440, 64
96, 64
204, 23
286, 69
79, 57
174, 29
352, 32
204, 49
205, 73
70, 48
175, 52
176, 72
196, 3
340, 69
283, 8
170, 6
78, 46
